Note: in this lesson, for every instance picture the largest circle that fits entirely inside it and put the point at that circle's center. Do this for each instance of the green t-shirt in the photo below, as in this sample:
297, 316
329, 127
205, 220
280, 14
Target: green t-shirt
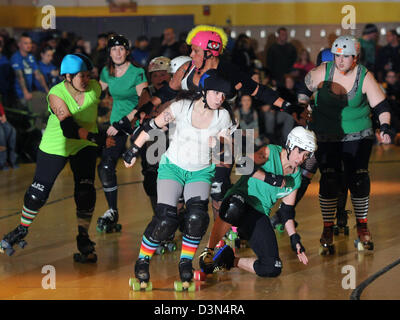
53, 140
261, 195
123, 90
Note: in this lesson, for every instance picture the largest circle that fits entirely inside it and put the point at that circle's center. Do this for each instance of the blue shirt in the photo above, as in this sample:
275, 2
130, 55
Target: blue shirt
28, 66
5, 75
46, 70
140, 56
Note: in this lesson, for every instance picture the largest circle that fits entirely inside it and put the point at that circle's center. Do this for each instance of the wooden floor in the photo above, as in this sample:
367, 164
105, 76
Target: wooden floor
51, 241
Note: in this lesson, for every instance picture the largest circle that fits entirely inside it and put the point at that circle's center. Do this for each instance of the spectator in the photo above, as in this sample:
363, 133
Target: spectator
6, 74
169, 45
248, 118
389, 56
368, 46
141, 52
243, 55
99, 55
303, 64
26, 69
48, 69
7, 142
281, 56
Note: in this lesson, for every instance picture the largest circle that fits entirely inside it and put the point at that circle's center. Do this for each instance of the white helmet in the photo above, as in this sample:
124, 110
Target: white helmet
302, 138
159, 64
177, 62
346, 45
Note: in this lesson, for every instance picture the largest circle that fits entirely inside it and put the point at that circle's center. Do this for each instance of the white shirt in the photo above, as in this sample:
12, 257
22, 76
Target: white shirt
189, 146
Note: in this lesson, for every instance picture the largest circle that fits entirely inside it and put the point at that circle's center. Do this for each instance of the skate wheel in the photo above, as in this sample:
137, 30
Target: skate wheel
199, 275
192, 287
99, 229
160, 250
22, 244
118, 228
280, 228
10, 251
171, 247
178, 286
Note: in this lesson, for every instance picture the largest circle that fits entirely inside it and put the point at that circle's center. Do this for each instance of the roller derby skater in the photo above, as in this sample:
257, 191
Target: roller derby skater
248, 203
125, 82
345, 94
70, 136
190, 175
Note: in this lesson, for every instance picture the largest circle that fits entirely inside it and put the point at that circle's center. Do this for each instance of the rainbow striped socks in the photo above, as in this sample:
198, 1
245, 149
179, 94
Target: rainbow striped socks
28, 216
147, 248
189, 248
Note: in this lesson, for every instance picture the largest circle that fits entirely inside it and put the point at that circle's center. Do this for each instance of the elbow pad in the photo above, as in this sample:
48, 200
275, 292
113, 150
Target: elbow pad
248, 86
266, 94
381, 107
285, 213
304, 90
70, 128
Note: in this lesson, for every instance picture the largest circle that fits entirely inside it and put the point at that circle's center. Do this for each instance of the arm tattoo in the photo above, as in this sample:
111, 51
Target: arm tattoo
309, 82
167, 117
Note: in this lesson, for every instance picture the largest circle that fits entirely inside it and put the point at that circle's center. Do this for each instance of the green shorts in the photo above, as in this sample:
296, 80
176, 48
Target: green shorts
170, 171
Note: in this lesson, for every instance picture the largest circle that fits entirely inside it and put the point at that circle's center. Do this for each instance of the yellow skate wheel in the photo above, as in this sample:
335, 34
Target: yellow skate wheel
178, 286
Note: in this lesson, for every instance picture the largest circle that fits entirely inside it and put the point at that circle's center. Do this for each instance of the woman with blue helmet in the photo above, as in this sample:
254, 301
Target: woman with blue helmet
71, 135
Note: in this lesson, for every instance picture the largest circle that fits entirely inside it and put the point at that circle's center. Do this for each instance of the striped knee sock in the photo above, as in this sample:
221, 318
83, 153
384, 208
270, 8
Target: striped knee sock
361, 206
147, 248
189, 248
328, 209
28, 216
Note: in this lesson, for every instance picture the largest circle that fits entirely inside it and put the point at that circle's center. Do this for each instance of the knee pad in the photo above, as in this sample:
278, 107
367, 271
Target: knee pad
164, 223
196, 218
360, 184
233, 210
85, 195
329, 183
106, 171
36, 195
268, 267
150, 183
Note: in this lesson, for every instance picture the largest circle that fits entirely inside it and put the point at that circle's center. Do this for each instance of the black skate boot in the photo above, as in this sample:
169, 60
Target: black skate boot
142, 274
224, 259
341, 223
108, 222
10, 239
327, 247
86, 249
186, 275
206, 262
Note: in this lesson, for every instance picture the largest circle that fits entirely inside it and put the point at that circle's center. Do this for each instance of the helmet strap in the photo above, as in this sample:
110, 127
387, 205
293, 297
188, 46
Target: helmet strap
205, 58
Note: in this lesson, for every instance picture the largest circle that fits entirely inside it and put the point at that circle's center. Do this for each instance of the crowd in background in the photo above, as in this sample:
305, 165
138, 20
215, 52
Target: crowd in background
29, 67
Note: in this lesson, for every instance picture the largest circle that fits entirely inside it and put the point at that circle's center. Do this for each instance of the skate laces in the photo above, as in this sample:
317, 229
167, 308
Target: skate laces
207, 255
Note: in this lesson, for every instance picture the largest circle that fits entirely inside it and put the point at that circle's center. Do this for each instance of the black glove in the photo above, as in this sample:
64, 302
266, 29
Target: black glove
388, 129
292, 108
294, 240
131, 153
275, 180
123, 125
97, 138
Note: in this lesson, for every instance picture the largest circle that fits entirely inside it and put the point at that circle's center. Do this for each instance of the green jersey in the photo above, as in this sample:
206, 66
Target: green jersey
53, 140
338, 115
123, 90
261, 195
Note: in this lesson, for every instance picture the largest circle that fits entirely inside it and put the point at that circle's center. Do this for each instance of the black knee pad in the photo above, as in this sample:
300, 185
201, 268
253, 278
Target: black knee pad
196, 218
268, 267
150, 183
106, 171
329, 183
164, 223
360, 184
233, 210
33, 200
85, 195
220, 183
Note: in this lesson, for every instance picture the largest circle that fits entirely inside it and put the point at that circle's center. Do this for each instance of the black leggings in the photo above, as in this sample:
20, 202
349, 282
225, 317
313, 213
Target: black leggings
256, 228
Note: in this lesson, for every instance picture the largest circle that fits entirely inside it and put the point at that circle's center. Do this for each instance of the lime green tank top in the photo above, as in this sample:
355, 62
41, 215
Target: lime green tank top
341, 114
53, 140
261, 195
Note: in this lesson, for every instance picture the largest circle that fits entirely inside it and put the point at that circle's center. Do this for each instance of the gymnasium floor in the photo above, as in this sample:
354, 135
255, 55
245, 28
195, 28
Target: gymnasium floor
51, 241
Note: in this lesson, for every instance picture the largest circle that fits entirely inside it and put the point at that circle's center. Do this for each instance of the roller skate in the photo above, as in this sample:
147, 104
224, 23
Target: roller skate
108, 222
86, 249
276, 224
186, 274
14, 237
341, 223
224, 259
206, 261
327, 247
363, 242
142, 274
167, 246
233, 238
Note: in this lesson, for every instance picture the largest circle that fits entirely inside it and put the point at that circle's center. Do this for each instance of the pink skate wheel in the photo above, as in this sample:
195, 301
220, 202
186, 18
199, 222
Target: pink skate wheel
220, 244
199, 275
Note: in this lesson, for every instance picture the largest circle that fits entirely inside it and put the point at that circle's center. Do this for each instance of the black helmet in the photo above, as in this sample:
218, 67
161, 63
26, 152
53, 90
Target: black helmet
118, 40
213, 80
